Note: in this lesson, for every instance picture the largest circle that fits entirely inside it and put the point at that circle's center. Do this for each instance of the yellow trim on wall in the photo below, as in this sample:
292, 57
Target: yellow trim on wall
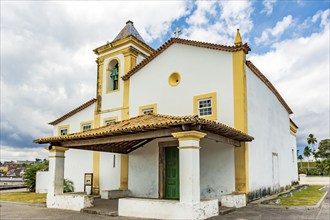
213, 97
115, 118
96, 173
151, 106
61, 127
108, 76
240, 122
123, 172
85, 123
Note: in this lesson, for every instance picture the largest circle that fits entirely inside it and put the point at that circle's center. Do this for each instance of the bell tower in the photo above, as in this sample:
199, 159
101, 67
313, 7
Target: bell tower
115, 59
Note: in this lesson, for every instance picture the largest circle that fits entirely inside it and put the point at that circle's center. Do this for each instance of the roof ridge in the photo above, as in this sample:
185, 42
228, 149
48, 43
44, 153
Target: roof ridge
72, 112
263, 78
245, 47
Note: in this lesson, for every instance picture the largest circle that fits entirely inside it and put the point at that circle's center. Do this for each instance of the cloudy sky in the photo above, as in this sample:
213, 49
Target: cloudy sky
48, 67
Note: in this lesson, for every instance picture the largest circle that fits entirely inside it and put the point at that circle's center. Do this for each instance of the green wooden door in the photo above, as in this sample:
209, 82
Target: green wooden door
172, 186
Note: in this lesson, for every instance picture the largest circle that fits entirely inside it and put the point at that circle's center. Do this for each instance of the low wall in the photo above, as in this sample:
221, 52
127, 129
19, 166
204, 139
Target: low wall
70, 201
166, 209
42, 182
313, 180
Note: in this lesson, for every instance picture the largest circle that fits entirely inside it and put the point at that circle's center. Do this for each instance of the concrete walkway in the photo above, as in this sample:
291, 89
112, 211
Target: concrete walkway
18, 211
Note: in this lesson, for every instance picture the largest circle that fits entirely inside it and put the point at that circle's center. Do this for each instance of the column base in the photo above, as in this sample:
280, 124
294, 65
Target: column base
167, 209
233, 200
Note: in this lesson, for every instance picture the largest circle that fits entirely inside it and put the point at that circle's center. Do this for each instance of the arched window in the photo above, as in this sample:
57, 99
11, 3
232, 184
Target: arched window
113, 76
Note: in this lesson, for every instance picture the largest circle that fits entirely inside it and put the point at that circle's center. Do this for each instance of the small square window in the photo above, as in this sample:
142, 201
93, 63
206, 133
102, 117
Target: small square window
63, 131
205, 107
147, 111
86, 127
109, 122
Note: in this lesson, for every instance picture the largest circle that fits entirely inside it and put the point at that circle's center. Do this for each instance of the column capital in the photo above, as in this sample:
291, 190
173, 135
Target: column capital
56, 149
189, 135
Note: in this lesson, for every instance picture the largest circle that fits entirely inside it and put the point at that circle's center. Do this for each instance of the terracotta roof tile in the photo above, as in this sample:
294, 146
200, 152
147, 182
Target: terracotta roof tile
74, 111
263, 78
151, 122
167, 44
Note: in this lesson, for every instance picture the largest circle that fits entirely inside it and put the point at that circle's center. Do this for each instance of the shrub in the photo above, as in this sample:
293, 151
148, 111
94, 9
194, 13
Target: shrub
29, 176
313, 172
68, 186
302, 170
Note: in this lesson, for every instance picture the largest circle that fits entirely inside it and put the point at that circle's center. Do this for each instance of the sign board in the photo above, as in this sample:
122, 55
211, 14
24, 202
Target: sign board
88, 180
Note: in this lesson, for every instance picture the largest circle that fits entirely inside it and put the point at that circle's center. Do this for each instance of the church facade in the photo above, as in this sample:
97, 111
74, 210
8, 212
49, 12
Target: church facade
191, 123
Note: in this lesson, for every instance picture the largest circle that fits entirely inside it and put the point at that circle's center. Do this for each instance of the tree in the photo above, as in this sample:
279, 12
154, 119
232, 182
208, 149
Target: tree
323, 152
307, 153
300, 157
311, 140
29, 176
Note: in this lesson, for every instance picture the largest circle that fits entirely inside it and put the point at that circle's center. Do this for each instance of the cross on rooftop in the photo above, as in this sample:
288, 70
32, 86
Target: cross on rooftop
176, 32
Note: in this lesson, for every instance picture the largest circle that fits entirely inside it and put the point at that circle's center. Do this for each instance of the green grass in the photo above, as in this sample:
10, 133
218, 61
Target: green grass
307, 197
25, 197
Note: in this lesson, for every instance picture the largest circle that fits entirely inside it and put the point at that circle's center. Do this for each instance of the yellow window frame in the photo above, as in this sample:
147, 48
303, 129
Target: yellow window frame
115, 118
63, 127
85, 123
213, 97
145, 107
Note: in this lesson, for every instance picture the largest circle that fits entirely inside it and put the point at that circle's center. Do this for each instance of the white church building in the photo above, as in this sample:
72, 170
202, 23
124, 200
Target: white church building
174, 131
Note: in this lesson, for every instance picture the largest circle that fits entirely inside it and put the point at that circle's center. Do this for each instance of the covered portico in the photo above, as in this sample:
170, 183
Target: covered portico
125, 137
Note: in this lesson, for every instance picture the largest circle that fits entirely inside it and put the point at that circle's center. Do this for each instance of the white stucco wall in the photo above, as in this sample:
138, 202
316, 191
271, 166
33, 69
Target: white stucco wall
74, 121
109, 171
268, 123
76, 164
42, 182
143, 171
217, 169
202, 71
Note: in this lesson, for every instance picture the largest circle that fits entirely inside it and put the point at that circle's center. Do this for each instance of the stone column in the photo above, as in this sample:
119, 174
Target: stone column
56, 170
189, 165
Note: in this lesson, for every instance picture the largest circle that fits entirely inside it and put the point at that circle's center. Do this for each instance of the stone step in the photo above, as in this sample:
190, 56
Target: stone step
99, 212
223, 210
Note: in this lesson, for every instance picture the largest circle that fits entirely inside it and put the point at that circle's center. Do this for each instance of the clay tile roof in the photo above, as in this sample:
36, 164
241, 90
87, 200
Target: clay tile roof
151, 122
263, 78
128, 30
167, 44
74, 111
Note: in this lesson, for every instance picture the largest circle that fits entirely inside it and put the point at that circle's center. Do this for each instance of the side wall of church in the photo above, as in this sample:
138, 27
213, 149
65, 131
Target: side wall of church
202, 71
272, 154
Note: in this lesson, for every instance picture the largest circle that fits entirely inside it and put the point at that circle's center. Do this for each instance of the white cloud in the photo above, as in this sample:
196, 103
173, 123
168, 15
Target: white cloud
270, 34
10, 153
47, 63
217, 21
268, 6
299, 68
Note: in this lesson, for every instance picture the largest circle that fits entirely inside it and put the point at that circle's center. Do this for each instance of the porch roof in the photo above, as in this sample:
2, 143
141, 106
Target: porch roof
128, 135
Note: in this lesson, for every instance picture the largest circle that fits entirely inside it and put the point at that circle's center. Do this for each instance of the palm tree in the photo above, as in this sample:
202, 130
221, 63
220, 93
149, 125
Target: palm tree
300, 157
312, 140
307, 153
